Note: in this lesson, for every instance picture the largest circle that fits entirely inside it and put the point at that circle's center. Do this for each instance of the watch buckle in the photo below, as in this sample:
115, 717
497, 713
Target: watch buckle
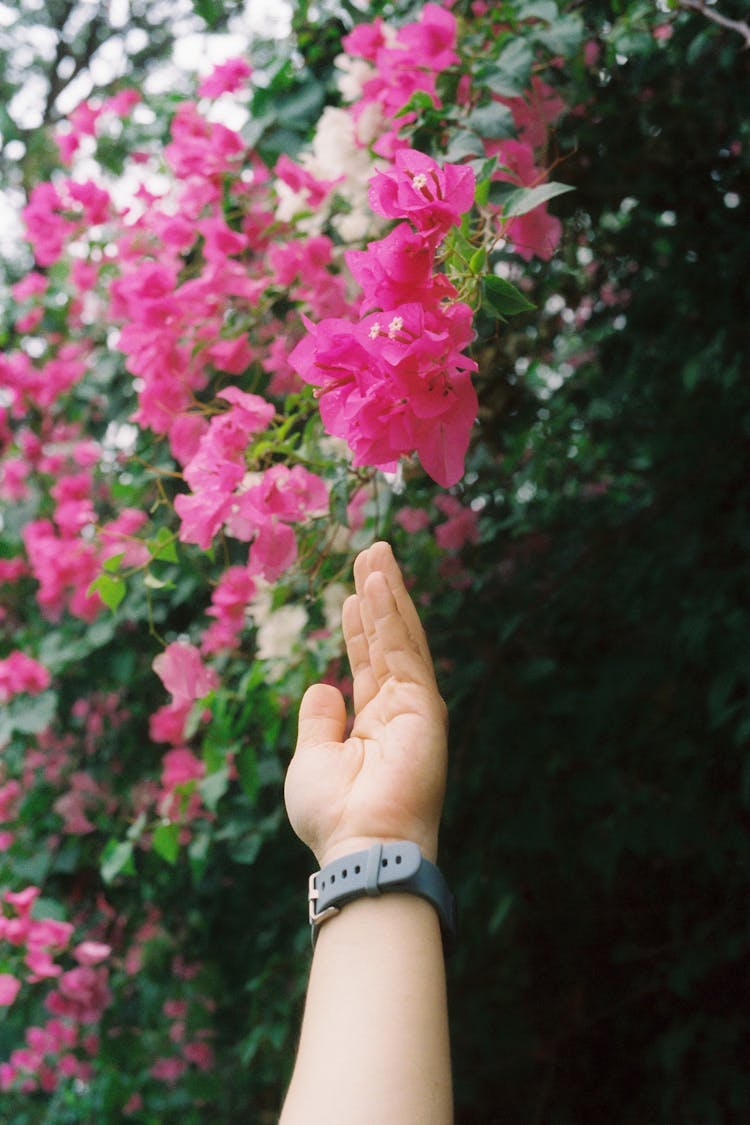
313, 895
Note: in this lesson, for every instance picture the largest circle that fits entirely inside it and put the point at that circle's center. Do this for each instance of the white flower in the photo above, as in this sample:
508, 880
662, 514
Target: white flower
355, 72
281, 632
333, 599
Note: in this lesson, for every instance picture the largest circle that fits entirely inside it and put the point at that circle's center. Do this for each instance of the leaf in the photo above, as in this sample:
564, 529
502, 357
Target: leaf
503, 297
526, 199
462, 144
162, 546
166, 841
477, 260
508, 76
491, 120
32, 715
213, 788
539, 10
155, 583
109, 588
112, 564
117, 858
209, 11
563, 36
417, 103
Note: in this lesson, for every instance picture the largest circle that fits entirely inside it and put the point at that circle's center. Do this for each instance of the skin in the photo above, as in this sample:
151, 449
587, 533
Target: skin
374, 1045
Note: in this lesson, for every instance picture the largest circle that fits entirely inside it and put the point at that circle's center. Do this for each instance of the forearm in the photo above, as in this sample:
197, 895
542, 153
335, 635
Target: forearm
374, 1044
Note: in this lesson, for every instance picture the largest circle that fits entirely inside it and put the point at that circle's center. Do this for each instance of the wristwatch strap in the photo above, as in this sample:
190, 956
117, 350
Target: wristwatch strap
378, 870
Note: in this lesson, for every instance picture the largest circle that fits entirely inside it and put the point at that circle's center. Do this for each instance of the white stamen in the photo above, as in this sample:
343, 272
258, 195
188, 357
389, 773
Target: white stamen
419, 181
375, 331
395, 327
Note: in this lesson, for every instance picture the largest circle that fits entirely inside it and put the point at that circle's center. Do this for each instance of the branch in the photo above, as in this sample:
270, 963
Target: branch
740, 26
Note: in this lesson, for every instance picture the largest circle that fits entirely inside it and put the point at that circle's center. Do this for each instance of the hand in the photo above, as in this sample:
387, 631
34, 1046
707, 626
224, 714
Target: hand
387, 780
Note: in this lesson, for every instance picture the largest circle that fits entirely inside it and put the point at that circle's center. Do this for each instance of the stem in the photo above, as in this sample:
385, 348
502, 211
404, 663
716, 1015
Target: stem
740, 26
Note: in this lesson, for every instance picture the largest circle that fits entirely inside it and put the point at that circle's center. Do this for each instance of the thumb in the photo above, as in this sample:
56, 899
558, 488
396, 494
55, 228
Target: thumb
322, 716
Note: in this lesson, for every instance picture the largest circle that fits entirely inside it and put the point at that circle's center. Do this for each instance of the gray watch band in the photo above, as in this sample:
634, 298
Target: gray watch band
378, 870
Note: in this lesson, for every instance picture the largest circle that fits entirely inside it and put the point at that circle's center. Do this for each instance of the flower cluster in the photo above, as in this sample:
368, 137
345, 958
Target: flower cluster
398, 381
64, 1044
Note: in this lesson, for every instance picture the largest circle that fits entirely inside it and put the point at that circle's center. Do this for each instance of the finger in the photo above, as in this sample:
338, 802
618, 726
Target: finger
380, 557
358, 651
322, 716
378, 666
394, 651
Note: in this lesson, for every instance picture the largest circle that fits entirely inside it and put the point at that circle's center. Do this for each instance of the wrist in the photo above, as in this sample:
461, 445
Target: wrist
335, 849
380, 868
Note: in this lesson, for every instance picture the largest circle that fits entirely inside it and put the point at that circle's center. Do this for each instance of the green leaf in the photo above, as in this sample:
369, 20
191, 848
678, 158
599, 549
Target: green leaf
162, 546
477, 260
539, 10
117, 858
563, 36
508, 76
30, 715
213, 788
503, 297
109, 588
166, 841
462, 144
209, 11
417, 103
526, 199
491, 120
113, 564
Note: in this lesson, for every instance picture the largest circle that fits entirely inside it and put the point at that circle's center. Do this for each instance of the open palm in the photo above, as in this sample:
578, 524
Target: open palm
387, 779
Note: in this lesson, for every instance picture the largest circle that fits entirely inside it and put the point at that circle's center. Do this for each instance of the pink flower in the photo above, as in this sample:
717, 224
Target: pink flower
183, 673
179, 766
365, 40
23, 900
9, 989
431, 41
91, 952
168, 1070
398, 269
417, 188
461, 526
32, 285
537, 233
199, 1054
225, 78
84, 118
122, 102
532, 115
300, 180
233, 356
167, 724
413, 519
396, 383
202, 148
21, 673
229, 602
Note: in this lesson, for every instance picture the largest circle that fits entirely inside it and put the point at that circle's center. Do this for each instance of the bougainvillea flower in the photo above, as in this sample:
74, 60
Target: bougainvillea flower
431, 196
397, 269
225, 78
182, 671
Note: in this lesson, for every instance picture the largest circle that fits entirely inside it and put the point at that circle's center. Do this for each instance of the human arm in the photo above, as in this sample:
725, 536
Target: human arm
374, 1044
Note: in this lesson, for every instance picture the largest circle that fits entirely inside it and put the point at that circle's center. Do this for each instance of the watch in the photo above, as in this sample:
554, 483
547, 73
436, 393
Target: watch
380, 869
